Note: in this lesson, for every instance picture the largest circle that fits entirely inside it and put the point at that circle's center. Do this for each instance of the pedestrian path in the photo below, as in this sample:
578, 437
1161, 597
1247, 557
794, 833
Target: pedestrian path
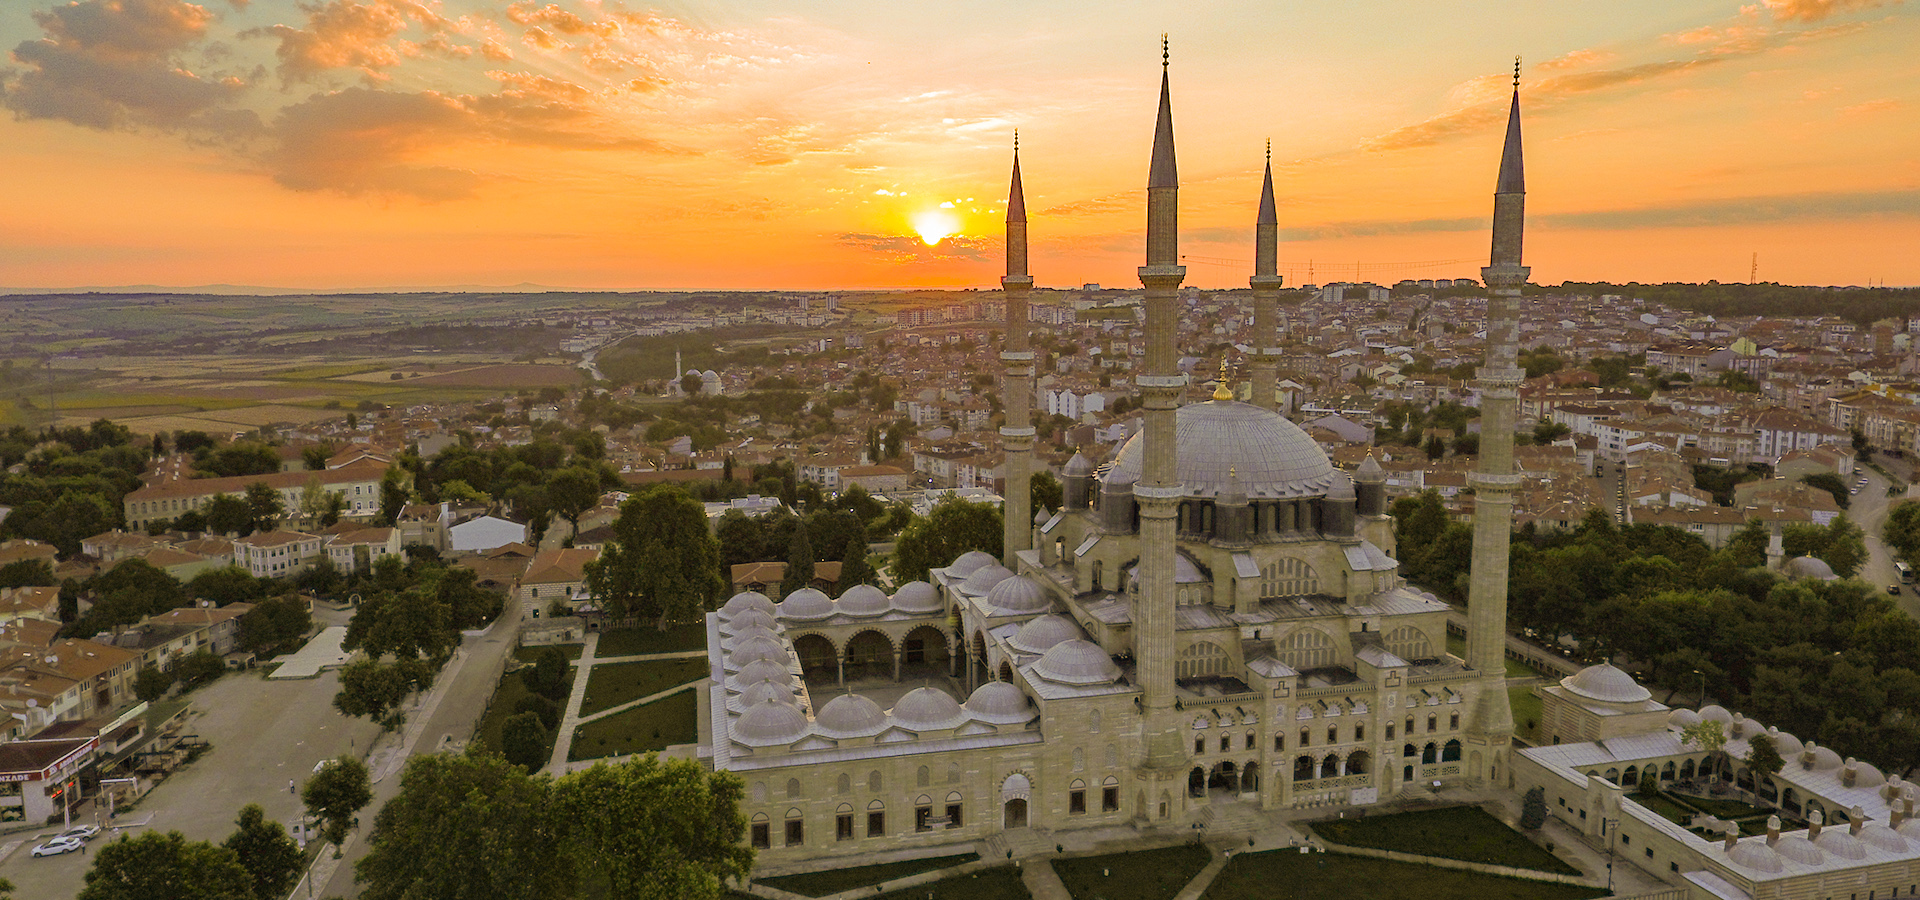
320, 653
648, 657
570, 719
662, 695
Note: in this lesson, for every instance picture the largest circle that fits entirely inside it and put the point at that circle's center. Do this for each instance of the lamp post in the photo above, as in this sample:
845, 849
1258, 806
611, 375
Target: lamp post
1608, 827
1703, 688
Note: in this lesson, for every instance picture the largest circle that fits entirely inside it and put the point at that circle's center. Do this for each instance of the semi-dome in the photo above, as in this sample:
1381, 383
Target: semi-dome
850, 716
969, 562
751, 618
806, 604
1077, 662
1270, 456
770, 724
1018, 595
1606, 684
1810, 567
917, 597
762, 670
1039, 635
744, 601
985, 578
927, 709
864, 601
1000, 703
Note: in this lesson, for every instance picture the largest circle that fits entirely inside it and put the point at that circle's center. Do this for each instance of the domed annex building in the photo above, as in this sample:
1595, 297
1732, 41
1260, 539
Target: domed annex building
1213, 625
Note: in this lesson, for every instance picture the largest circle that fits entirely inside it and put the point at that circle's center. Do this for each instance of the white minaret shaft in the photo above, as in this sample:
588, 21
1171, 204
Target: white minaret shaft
1266, 296
1491, 729
1016, 359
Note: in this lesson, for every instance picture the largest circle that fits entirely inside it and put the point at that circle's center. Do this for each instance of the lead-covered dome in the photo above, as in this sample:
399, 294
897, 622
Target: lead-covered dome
927, 709
762, 670
985, 578
752, 618
762, 692
1000, 703
917, 597
849, 716
1606, 684
1018, 595
770, 724
755, 649
1039, 635
806, 604
1077, 662
864, 601
969, 562
746, 600
1269, 456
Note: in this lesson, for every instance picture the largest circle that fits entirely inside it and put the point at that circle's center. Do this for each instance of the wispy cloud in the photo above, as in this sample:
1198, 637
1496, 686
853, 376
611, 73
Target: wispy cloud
1750, 211
1815, 10
905, 249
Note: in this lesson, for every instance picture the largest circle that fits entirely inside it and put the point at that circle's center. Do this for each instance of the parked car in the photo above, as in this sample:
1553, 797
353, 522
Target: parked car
59, 845
82, 832
1894, 588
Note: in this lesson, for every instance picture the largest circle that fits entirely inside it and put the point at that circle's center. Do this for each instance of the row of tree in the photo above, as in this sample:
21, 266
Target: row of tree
407, 626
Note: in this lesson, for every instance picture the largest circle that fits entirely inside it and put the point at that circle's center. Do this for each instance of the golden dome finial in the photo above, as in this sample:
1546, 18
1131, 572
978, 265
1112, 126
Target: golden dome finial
1222, 390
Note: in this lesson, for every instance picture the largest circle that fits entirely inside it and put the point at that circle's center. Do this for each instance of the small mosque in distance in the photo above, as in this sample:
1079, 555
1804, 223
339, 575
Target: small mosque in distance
1213, 630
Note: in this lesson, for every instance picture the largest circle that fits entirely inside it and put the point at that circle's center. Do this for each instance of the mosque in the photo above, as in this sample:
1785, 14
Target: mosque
1213, 625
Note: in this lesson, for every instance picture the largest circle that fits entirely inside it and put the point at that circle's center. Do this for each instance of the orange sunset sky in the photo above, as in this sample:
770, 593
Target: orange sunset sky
752, 144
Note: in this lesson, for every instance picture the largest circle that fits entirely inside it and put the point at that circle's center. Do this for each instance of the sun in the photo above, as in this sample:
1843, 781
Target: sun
934, 224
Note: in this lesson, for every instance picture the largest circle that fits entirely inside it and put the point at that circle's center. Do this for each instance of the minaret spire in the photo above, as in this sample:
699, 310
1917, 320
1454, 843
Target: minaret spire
1016, 361
1266, 295
1490, 732
1158, 492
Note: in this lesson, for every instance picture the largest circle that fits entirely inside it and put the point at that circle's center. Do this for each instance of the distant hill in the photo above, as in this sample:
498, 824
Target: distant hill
1857, 304
249, 290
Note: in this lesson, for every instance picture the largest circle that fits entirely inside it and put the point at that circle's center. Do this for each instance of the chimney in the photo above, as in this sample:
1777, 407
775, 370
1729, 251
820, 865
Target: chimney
1849, 772
1739, 726
1856, 818
1773, 830
1806, 756
1814, 821
1732, 836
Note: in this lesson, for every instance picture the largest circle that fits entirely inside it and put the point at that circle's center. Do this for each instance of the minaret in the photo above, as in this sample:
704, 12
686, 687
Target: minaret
1266, 296
1158, 492
1490, 731
1016, 358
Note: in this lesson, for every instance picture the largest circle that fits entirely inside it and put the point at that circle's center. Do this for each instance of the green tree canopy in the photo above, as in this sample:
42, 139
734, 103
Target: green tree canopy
523, 740
166, 866
336, 794
463, 827
266, 851
954, 526
657, 829
799, 561
662, 563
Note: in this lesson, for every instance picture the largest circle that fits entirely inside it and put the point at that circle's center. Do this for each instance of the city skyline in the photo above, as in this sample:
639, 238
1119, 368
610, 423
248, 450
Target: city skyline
382, 143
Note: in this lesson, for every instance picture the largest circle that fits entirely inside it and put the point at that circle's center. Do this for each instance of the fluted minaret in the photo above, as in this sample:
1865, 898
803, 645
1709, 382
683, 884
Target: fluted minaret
1490, 731
1266, 296
1158, 491
1016, 358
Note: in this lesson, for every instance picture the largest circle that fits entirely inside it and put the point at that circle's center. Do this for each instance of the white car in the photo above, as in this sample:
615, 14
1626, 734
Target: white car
59, 845
80, 832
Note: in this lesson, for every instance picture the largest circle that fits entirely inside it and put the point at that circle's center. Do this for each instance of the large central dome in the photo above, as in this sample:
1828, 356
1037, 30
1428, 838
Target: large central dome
1269, 456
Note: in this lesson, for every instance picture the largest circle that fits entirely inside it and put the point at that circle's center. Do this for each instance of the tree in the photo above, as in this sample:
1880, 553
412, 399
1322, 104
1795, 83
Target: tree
230, 515
662, 563
225, 585
547, 677
394, 494
615, 815
523, 740
1047, 491
27, 573
954, 526
274, 623
547, 710
854, 568
238, 458
1435, 447
335, 795
1708, 735
1831, 483
1763, 758
1902, 530
267, 852
156, 866
466, 827
375, 690
315, 457
409, 624
799, 561
151, 684
572, 491
264, 506
198, 668
1533, 808
67, 521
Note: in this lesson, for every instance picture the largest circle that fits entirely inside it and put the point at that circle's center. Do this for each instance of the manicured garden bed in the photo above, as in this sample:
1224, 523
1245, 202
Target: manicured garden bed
1725, 809
833, 881
1291, 875
1466, 833
1141, 875
654, 726
611, 685
1665, 806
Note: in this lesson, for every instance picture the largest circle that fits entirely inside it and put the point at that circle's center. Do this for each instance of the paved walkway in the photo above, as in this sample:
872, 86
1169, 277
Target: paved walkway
322, 652
570, 719
662, 695
648, 657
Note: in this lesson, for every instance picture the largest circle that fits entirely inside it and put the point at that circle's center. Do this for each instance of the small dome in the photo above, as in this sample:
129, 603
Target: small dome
1017, 595
770, 724
1682, 718
762, 692
1755, 855
756, 649
1866, 774
849, 716
1606, 684
1839, 843
748, 633
1369, 471
1077, 662
927, 709
750, 618
1717, 713
1825, 759
1077, 466
1000, 703
969, 562
1883, 837
746, 600
1910, 829
863, 601
1784, 743
1801, 850
1039, 635
917, 597
806, 605
984, 578
762, 670
1809, 567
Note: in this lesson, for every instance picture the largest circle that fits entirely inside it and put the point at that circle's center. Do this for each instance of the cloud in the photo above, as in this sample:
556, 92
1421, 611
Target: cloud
902, 248
1097, 206
344, 34
1749, 211
1885, 104
116, 64
1816, 10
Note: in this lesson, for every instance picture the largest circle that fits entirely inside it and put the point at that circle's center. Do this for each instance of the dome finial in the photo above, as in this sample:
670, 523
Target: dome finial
1016, 141
1516, 72
1222, 390
1166, 56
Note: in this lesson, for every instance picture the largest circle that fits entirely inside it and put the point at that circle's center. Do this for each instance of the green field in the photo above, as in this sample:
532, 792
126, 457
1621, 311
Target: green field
1140, 875
611, 685
833, 881
653, 726
1466, 833
1291, 875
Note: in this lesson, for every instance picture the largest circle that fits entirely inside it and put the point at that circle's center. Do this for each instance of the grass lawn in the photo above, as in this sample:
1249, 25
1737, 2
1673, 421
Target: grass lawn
1674, 812
1000, 883
655, 726
508, 695
648, 639
1466, 833
529, 654
610, 686
1291, 875
1526, 713
1725, 809
1457, 646
1143, 875
820, 884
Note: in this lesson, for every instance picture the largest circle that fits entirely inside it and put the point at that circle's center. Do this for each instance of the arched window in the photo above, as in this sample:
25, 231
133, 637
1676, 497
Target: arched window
1303, 768
1098, 570
846, 783
873, 781
1433, 724
1305, 649
793, 789
1333, 734
923, 777
759, 792
1201, 659
953, 773
1430, 753
1288, 578
1093, 722
1409, 643
1079, 759
1451, 753
1113, 756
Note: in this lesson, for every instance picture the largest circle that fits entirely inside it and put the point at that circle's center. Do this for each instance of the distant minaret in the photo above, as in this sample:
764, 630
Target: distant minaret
1016, 358
1158, 491
1266, 296
1490, 731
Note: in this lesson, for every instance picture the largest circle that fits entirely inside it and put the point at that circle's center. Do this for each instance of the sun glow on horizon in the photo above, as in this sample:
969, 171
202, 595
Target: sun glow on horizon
934, 225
